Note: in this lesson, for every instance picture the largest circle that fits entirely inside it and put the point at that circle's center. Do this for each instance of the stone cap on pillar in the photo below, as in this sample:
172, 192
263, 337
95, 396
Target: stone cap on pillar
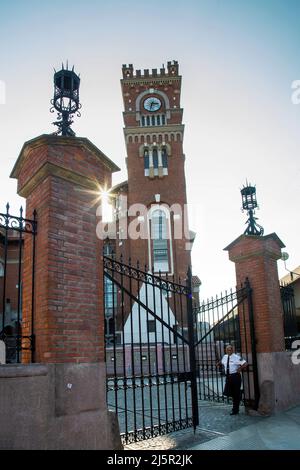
249, 246
75, 159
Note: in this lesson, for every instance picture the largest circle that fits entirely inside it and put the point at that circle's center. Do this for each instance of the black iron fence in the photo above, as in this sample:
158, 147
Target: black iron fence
14, 231
291, 329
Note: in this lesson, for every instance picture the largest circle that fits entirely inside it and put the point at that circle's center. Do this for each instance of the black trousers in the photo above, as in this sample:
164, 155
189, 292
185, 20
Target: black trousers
233, 389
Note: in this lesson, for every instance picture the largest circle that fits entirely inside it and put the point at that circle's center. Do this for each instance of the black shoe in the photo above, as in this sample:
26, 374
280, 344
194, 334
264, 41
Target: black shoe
234, 413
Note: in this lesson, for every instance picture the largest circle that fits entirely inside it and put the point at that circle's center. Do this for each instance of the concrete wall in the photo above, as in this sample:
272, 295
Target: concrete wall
2, 352
56, 406
279, 381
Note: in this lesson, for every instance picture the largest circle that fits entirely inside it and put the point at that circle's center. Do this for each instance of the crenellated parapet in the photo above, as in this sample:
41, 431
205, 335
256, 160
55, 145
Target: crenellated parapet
172, 70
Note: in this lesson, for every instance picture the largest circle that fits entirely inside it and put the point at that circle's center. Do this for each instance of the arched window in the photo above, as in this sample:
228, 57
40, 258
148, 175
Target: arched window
143, 120
158, 120
148, 120
159, 236
153, 120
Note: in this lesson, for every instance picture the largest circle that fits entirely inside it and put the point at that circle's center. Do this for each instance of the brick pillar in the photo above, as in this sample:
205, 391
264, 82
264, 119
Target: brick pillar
57, 176
256, 258
60, 178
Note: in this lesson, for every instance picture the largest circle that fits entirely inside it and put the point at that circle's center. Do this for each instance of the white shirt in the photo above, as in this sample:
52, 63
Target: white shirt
234, 363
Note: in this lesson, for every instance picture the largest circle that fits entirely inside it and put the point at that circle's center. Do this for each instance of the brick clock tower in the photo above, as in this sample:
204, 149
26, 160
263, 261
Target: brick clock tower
156, 176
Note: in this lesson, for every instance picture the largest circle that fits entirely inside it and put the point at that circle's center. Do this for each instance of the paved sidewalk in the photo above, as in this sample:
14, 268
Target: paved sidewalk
278, 432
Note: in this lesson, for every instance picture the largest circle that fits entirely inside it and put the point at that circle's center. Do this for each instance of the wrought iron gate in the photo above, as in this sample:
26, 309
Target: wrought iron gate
223, 320
15, 231
162, 353
151, 381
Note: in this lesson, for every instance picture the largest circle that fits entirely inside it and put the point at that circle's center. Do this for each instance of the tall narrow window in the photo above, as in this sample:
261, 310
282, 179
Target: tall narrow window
143, 120
153, 120
110, 291
148, 120
155, 158
146, 159
164, 157
159, 235
158, 120
163, 120
146, 162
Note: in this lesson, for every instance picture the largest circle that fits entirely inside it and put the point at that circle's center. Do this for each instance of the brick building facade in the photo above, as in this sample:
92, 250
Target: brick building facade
150, 208
156, 171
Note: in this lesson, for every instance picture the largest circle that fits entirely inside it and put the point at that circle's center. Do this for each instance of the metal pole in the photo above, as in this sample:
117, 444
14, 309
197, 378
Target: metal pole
6, 227
253, 344
19, 337
192, 354
34, 232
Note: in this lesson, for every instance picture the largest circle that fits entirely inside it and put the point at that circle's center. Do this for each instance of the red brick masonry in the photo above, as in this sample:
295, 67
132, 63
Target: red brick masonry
58, 175
256, 258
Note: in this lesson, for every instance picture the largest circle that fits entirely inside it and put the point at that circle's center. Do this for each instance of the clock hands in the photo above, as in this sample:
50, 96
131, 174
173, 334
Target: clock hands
152, 104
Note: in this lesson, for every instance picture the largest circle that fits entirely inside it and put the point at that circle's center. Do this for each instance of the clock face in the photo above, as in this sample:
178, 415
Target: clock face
152, 104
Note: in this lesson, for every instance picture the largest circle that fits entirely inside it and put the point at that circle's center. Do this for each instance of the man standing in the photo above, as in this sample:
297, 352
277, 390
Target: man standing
233, 365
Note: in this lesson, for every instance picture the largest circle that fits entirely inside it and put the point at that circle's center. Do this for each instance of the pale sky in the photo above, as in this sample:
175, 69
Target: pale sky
238, 60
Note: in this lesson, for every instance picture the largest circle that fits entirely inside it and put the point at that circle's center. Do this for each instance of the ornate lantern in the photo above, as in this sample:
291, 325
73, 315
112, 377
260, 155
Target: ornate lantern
250, 204
66, 99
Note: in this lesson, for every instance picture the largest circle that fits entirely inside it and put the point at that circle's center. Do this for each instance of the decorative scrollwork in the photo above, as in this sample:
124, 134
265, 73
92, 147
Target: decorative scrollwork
17, 223
3, 220
253, 228
137, 274
78, 114
155, 431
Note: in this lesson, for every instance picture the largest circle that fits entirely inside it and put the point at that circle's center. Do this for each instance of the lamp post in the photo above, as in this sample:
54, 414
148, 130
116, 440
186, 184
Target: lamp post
66, 100
249, 201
